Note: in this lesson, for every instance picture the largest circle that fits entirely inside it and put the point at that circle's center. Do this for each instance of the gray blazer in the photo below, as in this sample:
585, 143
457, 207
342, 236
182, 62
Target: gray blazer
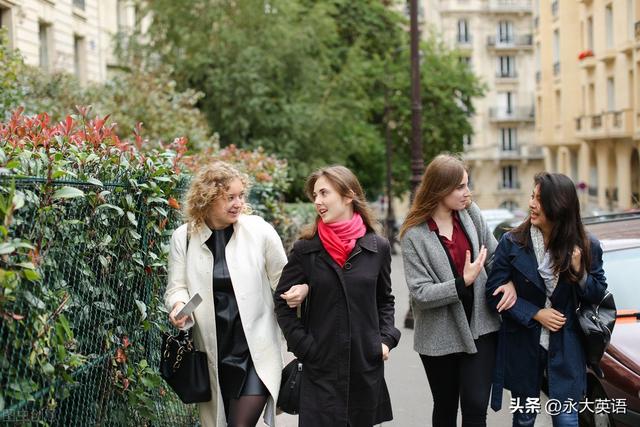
441, 326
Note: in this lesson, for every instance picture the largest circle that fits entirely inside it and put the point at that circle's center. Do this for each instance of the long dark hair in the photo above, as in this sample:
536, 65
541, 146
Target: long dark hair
346, 184
559, 202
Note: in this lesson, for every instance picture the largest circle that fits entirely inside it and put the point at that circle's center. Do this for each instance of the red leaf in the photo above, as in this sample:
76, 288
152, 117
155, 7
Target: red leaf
173, 203
121, 356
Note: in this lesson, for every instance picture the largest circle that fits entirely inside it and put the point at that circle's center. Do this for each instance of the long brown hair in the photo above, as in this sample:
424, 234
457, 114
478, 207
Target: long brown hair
443, 174
559, 202
347, 185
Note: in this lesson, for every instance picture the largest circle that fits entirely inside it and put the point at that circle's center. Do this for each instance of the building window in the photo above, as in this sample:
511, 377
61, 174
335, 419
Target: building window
590, 33
466, 141
79, 4
5, 23
465, 60
80, 58
505, 32
508, 139
611, 94
506, 66
506, 103
44, 36
608, 25
510, 177
463, 31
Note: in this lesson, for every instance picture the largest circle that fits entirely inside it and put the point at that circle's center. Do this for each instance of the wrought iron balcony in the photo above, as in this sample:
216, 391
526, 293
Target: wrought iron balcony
611, 124
521, 41
510, 6
513, 114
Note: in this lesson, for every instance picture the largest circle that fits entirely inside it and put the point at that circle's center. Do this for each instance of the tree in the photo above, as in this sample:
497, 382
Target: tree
306, 79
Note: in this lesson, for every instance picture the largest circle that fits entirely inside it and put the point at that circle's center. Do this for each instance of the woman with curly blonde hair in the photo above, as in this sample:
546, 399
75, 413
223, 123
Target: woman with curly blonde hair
234, 261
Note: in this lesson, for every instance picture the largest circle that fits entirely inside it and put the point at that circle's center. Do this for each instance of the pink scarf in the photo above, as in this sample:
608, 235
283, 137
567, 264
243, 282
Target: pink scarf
339, 238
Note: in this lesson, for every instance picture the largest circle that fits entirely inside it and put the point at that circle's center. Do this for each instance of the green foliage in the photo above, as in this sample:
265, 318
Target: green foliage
308, 79
137, 96
10, 66
86, 217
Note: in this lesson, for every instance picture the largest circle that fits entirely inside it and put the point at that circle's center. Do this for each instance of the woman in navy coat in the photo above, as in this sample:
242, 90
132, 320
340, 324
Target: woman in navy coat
549, 257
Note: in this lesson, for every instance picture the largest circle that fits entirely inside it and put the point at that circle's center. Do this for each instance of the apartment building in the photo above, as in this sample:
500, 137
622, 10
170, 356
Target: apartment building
588, 97
76, 36
495, 39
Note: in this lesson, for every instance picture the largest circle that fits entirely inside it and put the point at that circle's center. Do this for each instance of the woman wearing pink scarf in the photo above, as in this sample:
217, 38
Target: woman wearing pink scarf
350, 328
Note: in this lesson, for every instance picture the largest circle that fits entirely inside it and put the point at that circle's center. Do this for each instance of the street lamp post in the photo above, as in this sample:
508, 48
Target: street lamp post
417, 159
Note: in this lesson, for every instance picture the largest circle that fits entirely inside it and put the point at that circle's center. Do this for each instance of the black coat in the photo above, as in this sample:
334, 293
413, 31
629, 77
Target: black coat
351, 314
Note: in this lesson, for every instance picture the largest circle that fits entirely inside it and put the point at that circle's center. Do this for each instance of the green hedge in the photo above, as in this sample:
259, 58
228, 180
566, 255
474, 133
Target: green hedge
85, 218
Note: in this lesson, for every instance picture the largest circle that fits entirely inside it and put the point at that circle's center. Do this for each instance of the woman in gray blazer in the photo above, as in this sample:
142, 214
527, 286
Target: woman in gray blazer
446, 248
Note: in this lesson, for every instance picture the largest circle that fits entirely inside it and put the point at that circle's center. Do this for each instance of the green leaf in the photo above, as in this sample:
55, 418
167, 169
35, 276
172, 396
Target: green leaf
12, 164
132, 218
104, 261
95, 181
142, 307
48, 369
107, 306
31, 275
18, 200
109, 206
33, 300
134, 234
67, 192
6, 248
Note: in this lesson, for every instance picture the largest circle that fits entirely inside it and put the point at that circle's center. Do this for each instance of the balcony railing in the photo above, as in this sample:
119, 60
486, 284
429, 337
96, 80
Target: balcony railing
611, 124
523, 40
510, 5
526, 114
508, 185
462, 39
513, 74
520, 151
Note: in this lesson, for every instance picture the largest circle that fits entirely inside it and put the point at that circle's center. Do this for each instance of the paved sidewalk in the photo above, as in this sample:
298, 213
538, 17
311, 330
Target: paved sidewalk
407, 382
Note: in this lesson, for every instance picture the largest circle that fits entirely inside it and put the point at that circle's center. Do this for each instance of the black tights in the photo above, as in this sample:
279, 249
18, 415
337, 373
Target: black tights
461, 377
245, 411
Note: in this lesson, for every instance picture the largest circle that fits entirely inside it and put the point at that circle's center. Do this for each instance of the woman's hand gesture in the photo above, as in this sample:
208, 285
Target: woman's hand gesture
472, 269
509, 296
295, 295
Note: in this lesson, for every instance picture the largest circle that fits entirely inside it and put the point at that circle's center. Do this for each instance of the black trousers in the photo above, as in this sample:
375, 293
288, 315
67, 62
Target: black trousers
462, 377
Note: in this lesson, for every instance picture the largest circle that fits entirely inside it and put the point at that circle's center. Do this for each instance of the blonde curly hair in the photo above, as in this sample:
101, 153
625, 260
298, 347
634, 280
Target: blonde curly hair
209, 184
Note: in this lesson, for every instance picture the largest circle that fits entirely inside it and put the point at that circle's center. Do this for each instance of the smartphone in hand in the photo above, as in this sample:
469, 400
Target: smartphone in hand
190, 306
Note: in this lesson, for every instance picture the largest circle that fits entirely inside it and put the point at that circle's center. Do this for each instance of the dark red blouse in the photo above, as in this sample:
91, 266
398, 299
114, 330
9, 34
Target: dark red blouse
457, 246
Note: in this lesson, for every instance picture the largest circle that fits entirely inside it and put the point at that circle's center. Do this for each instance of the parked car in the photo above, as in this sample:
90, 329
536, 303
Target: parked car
620, 238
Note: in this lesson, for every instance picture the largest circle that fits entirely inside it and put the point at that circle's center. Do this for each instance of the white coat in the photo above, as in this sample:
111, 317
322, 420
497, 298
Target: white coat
255, 258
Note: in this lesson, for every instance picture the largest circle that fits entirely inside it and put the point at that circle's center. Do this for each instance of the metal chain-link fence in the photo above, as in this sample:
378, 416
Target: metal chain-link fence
80, 345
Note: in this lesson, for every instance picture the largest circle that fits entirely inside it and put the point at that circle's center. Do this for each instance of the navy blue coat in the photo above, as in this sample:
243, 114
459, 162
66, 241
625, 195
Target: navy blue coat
517, 360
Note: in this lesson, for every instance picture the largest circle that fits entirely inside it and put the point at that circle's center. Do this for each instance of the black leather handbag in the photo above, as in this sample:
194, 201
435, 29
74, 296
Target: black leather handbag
184, 368
596, 324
